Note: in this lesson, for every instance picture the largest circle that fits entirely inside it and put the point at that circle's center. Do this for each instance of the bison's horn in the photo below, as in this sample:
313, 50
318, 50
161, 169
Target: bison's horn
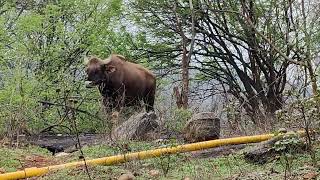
89, 84
106, 61
85, 60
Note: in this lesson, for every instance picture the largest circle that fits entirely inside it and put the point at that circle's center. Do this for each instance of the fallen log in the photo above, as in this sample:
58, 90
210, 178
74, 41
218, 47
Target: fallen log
267, 151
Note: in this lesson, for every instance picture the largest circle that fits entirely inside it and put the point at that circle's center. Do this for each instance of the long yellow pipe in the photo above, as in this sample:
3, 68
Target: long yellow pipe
34, 171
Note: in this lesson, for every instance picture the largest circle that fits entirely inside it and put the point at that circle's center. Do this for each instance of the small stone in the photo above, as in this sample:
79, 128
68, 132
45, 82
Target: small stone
61, 154
147, 164
2, 171
282, 130
187, 178
310, 176
154, 173
159, 140
126, 176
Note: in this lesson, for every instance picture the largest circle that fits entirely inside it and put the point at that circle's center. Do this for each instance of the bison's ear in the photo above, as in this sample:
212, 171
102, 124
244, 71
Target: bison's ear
111, 69
108, 68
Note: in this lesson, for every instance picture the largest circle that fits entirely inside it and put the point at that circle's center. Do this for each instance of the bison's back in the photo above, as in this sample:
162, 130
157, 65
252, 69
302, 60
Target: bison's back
137, 79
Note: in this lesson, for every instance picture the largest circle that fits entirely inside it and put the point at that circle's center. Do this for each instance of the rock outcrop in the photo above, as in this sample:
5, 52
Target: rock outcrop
137, 127
201, 127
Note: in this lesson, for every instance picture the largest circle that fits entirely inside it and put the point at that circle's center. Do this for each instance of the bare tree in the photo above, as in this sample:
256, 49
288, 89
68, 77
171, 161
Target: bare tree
245, 45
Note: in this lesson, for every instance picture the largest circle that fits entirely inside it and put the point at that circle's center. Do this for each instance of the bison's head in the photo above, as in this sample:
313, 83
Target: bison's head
98, 71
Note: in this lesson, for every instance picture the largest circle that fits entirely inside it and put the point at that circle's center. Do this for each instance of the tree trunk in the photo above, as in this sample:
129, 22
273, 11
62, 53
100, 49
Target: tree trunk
177, 96
186, 56
308, 54
185, 78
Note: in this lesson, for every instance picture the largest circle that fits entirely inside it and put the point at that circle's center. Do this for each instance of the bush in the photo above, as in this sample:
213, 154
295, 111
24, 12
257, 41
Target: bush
178, 119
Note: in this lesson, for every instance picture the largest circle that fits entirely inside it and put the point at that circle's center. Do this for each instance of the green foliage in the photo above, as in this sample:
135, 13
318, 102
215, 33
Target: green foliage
304, 111
288, 147
288, 142
179, 119
42, 49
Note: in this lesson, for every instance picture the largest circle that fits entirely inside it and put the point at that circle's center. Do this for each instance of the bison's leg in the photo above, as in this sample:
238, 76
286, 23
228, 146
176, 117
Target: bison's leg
115, 112
108, 108
149, 101
115, 118
118, 105
107, 104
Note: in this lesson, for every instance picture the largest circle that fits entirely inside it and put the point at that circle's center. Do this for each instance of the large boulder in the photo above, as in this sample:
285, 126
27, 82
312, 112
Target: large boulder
137, 127
202, 127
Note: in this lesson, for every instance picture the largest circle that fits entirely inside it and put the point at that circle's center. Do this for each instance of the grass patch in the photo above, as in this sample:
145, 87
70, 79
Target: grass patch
176, 166
13, 159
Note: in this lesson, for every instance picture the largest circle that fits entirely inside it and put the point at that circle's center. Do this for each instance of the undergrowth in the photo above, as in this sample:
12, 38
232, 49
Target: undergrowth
177, 166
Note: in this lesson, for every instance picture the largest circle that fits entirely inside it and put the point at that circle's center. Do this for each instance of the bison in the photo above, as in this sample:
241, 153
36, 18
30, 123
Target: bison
121, 83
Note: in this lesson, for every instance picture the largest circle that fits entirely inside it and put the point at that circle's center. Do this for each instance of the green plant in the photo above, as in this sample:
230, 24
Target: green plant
304, 112
287, 146
42, 48
178, 119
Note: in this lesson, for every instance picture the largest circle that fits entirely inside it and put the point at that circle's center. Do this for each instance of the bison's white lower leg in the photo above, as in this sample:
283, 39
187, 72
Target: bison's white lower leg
115, 118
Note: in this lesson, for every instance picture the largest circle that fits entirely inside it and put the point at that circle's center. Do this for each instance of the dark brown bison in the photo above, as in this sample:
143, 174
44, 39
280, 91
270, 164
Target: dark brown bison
121, 83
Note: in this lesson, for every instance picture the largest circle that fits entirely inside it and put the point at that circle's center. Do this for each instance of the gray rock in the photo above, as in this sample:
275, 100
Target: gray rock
126, 176
202, 127
137, 127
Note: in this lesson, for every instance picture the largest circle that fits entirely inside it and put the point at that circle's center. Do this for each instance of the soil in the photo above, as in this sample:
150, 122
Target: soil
218, 151
66, 143
69, 144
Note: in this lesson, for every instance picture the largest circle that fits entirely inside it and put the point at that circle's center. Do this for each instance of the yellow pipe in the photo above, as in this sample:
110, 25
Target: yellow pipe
34, 171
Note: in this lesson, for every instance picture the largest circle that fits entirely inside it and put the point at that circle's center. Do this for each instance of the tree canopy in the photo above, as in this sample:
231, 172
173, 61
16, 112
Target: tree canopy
245, 50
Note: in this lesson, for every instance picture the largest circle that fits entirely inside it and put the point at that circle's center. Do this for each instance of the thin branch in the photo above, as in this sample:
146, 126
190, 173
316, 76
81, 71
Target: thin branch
262, 36
73, 108
193, 30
